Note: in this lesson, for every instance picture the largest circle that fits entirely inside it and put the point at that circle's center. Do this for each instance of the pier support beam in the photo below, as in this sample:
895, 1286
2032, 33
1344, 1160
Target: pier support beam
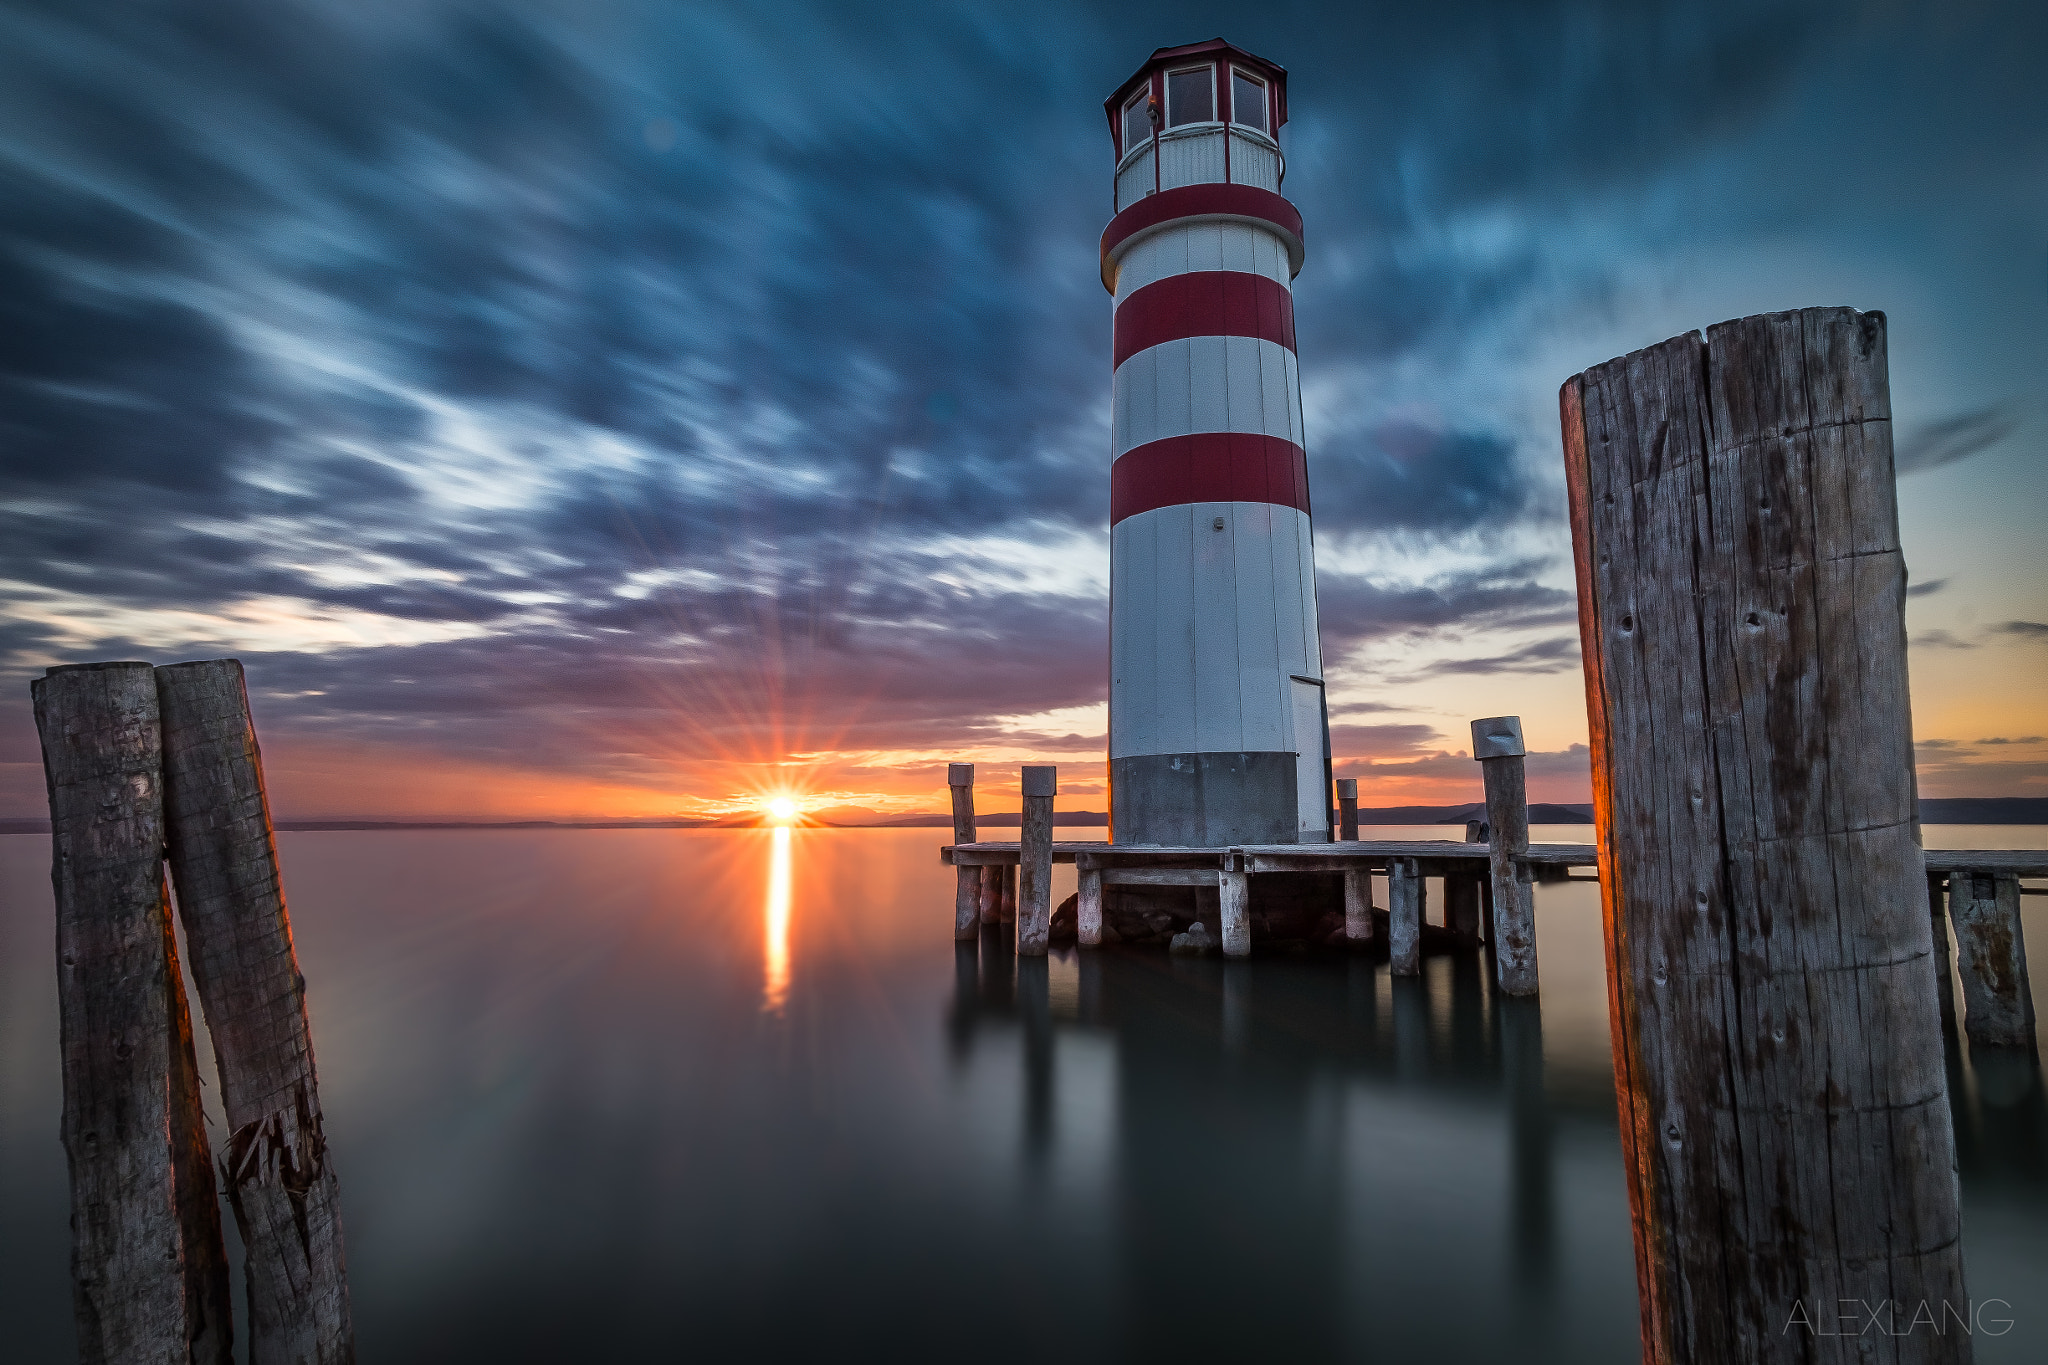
1777, 1041
1234, 904
1497, 744
1404, 916
1991, 957
991, 894
1347, 808
1034, 865
967, 888
1358, 906
1088, 907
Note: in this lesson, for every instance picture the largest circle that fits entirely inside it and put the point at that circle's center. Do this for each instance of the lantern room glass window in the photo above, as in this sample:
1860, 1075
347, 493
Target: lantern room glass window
1191, 96
1248, 101
1137, 123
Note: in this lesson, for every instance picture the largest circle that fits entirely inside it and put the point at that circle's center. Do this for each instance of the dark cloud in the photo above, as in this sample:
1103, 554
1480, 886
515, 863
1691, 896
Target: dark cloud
1927, 589
1941, 639
2024, 630
629, 382
2022, 739
1553, 655
1954, 438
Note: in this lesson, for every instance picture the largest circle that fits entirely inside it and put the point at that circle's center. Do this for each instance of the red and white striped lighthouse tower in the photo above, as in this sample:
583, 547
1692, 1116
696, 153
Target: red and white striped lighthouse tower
1217, 721
1217, 728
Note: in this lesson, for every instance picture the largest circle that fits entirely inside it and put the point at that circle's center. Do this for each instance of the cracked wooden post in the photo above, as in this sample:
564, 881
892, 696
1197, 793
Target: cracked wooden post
1477, 832
991, 894
149, 1270
1358, 905
1034, 860
1233, 895
1777, 1041
223, 860
1991, 958
1088, 906
1347, 809
966, 880
1497, 744
1404, 916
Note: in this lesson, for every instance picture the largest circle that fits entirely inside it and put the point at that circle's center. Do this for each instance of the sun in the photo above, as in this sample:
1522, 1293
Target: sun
782, 809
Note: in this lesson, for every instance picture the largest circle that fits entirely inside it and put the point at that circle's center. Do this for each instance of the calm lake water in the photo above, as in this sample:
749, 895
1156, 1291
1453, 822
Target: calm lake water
623, 1095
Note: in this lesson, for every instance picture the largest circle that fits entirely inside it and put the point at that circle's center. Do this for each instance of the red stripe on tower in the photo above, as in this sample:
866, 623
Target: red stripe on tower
1211, 466
1206, 303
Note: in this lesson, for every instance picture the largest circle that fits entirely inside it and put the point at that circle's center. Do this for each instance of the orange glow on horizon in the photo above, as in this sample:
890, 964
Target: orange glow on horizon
783, 810
775, 939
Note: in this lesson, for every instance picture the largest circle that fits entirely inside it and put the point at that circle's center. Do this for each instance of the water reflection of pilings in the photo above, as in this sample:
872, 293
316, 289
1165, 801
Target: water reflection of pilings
1235, 1052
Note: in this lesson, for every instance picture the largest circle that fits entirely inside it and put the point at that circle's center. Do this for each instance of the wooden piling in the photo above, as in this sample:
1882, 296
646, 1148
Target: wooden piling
149, 1272
1233, 894
1991, 958
1347, 808
1357, 906
1034, 863
1497, 744
1404, 916
1778, 1052
1476, 832
223, 860
967, 880
991, 894
1088, 907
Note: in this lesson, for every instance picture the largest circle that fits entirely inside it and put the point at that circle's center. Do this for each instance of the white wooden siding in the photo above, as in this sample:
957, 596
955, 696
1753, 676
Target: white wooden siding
1254, 163
1191, 159
1312, 793
1208, 627
1201, 246
1134, 181
1199, 384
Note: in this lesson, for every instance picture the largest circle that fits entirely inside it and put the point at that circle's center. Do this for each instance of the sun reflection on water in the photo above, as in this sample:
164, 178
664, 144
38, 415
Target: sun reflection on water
775, 988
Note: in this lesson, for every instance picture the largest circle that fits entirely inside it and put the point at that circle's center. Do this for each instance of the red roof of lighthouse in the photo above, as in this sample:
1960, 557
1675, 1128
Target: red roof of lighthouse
1173, 56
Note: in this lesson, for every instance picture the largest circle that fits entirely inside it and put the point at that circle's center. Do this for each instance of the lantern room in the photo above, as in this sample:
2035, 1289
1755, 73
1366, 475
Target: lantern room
1208, 113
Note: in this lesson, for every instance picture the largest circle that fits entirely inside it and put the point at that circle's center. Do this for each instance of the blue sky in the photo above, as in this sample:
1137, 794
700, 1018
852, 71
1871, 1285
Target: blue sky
633, 408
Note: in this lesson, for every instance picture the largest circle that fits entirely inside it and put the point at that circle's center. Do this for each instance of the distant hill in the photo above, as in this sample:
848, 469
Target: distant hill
1984, 810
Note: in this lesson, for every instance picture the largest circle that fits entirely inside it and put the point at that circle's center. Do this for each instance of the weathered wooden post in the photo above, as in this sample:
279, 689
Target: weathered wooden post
967, 880
1347, 809
1357, 905
1404, 916
1088, 907
991, 894
1233, 894
1008, 883
1034, 860
149, 1271
1477, 832
1497, 744
1461, 902
231, 899
1991, 957
1776, 1042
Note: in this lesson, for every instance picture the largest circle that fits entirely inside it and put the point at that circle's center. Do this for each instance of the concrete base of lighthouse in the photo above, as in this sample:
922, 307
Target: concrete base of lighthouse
1213, 800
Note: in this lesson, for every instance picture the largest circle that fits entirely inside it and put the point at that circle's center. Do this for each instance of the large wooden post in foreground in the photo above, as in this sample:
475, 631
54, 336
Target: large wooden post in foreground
967, 880
1034, 862
1777, 1044
1497, 744
223, 861
149, 1269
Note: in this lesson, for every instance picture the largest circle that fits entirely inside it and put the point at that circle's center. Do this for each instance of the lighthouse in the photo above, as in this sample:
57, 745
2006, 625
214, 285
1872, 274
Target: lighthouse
1218, 732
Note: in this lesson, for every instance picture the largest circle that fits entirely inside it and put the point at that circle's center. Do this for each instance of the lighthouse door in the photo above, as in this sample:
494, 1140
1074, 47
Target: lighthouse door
1311, 777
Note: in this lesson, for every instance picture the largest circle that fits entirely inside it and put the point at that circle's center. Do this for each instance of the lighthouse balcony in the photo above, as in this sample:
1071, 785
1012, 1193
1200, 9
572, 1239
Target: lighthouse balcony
1195, 155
